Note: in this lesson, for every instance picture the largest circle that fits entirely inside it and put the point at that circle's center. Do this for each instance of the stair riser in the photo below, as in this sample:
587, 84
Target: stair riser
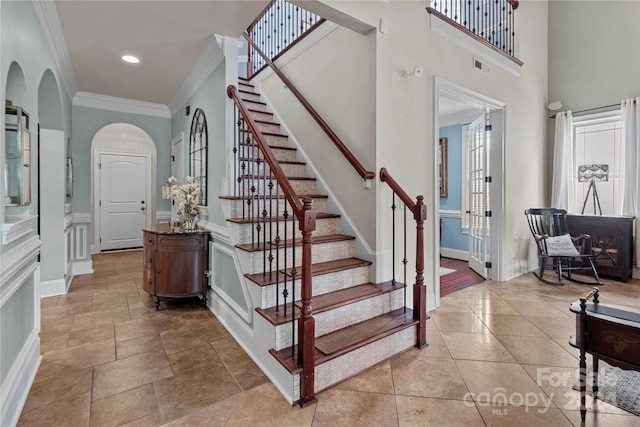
258, 168
269, 127
257, 106
245, 86
341, 317
324, 226
272, 141
262, 116
346, 366
300, 186
249, 96
320, 253
322, 284
273, 205
281, 155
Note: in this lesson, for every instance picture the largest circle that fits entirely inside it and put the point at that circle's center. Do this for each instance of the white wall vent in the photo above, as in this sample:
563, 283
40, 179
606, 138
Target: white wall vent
479, 64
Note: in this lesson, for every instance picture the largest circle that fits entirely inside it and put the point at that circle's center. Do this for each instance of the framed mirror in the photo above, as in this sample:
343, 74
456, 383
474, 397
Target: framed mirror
69, 178
442, 167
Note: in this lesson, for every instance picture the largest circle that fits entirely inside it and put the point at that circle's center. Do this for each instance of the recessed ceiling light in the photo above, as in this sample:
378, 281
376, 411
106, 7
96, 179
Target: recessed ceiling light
131, 59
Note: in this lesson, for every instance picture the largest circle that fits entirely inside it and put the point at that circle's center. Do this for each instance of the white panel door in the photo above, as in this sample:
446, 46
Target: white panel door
123, 198
479, 209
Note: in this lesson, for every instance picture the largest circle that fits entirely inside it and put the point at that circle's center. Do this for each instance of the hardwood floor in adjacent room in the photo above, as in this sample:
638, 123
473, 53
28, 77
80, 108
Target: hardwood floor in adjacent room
462, 277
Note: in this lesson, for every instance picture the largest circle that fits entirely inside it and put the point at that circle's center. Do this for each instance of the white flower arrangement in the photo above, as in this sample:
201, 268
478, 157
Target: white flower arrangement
186, 195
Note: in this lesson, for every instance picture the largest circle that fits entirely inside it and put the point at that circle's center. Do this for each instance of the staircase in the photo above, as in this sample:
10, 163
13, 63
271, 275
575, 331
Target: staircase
358, 323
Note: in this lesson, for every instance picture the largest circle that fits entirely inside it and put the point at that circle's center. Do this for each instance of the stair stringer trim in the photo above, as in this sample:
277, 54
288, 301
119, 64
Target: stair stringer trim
362, 248
257, 336
256, 343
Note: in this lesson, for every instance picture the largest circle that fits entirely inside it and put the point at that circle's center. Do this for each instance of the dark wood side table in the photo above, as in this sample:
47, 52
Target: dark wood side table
175, 262
607, 333
612, 242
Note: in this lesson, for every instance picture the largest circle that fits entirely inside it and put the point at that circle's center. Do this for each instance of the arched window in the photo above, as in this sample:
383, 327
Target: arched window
198, 146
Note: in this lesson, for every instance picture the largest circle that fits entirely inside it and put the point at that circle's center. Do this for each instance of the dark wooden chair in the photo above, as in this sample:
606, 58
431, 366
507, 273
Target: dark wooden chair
558, 251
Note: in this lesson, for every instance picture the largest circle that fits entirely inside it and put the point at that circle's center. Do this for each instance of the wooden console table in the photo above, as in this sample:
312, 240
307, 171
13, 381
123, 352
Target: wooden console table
612, 242
175, 262
607, 333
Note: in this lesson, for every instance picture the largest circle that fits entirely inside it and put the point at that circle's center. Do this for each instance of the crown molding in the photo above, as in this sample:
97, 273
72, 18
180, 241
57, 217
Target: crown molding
209, 59
50, 23
111, 103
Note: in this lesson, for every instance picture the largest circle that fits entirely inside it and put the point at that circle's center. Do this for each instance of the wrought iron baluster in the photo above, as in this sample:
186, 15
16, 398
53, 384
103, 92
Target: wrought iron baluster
285, 292
393, 238
252, 189
258, 196
277, 243
293, 287
264, 215
404, 261
235, 151
270, 185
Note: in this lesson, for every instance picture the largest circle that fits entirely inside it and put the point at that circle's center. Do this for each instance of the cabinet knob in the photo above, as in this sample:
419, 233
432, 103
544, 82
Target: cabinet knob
150, 260
149, 281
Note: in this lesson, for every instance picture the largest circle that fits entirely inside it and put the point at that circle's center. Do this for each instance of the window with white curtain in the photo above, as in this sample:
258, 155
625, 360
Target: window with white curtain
598, 140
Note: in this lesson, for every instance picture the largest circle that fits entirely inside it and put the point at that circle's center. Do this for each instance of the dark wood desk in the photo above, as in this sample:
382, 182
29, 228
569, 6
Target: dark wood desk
612, 242
175, 262
607, 333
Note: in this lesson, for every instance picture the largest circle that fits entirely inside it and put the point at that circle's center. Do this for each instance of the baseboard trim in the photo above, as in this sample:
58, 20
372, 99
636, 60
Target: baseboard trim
455, 254
82, 267
15, 388
49, 288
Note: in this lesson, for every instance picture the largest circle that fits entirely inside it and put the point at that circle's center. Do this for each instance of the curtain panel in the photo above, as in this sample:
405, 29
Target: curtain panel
630, 112
562, 186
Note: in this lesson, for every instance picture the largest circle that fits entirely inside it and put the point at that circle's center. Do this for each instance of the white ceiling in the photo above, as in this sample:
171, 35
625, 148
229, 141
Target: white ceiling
167, 36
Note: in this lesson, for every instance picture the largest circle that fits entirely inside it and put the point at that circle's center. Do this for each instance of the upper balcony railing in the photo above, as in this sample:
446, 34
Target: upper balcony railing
275, 29
492, 22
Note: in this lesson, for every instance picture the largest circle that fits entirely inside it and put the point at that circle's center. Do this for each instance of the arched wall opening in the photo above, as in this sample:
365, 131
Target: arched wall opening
51, 196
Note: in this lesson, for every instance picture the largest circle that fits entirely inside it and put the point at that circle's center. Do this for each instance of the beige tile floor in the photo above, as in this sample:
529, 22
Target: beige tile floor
111, 359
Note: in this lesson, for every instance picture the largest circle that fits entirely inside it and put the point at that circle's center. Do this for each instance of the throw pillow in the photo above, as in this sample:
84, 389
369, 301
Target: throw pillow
561, 246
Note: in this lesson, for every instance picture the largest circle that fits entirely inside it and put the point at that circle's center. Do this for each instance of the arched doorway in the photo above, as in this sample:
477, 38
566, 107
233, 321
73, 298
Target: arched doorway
123, 169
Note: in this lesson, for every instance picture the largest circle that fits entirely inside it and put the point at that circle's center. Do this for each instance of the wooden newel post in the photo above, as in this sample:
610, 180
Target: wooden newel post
306, 322
419, 289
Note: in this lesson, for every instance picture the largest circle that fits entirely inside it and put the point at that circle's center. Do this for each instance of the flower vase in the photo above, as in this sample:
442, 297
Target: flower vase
187, 221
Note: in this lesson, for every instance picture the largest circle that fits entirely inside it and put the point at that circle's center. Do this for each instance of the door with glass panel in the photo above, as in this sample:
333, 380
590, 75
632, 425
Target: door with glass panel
478, 204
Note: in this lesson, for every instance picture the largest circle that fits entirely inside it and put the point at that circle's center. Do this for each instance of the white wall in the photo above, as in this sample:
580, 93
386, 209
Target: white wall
594, 52
337, 77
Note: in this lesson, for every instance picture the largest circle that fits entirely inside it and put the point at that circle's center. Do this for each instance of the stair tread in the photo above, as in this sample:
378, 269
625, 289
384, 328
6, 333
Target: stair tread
265, 132
253, 101
252, 110
319, 215
348, 339
274, 196
317, 269
317, 240
330, 301
273, 147
284, 162
291, 178
267, 122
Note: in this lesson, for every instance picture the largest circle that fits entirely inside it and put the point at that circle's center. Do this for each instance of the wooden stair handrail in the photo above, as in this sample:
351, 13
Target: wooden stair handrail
386, 177
293, 199
360, 169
